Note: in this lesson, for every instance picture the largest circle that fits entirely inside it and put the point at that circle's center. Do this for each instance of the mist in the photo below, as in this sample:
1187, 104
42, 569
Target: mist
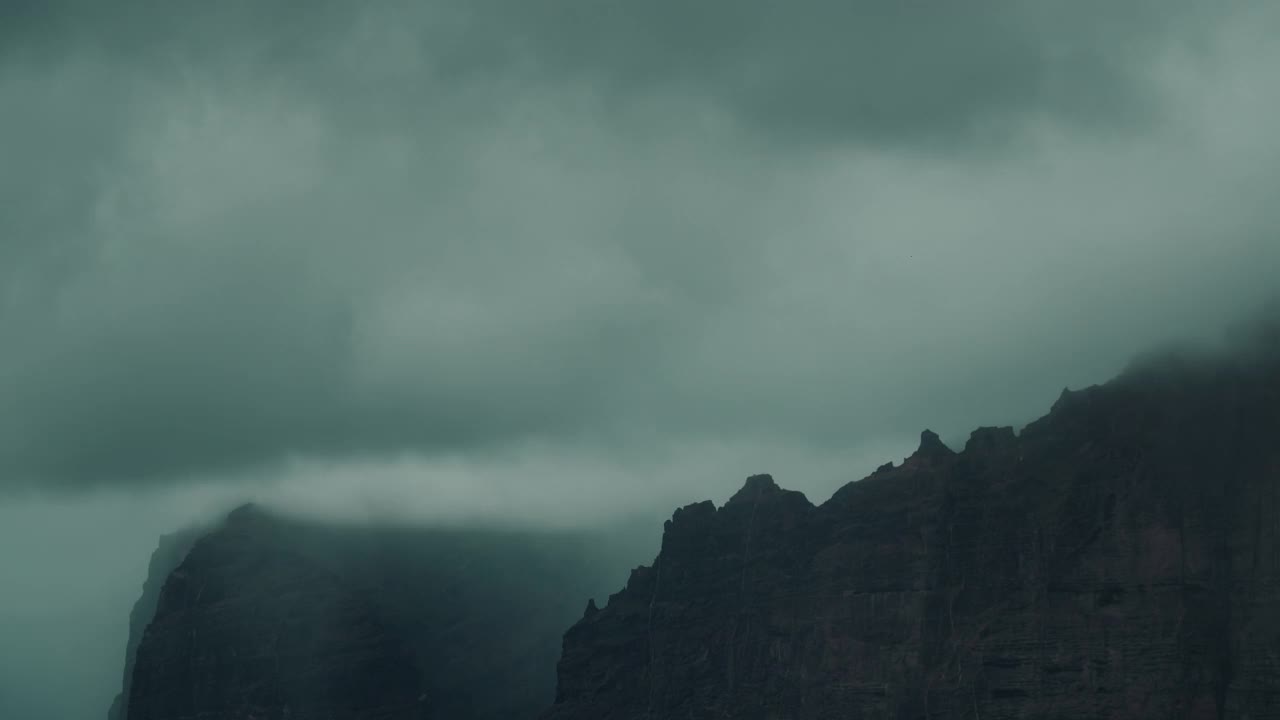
556, 264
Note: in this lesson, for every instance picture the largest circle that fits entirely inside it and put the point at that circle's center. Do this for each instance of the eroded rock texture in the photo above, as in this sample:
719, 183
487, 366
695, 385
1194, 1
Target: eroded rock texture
1119, 558
268, 618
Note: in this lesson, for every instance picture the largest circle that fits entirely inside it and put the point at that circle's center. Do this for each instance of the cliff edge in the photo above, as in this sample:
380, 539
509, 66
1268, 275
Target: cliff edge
1118, 558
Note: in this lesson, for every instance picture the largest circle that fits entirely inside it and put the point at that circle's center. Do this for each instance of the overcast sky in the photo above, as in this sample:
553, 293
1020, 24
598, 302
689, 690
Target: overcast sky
551, 261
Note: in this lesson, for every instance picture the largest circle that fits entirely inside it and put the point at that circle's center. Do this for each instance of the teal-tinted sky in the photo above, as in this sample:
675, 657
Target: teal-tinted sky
546, 261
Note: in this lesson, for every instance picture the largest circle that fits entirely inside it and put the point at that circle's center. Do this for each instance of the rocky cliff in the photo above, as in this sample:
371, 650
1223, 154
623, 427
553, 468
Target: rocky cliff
1118, 558
268, 618
169, 553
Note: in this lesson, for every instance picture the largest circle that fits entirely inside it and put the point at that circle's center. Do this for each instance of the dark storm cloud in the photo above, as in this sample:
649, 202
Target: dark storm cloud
871, 70
240, 235
549, 262
821, 70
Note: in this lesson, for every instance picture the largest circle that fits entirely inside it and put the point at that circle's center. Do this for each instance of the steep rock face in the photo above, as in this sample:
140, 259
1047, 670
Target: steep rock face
1119, 558
247, 628
168, 554
271, 618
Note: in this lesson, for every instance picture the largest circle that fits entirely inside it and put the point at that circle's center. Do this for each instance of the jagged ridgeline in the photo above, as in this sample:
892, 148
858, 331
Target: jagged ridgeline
1118, 558
266, 617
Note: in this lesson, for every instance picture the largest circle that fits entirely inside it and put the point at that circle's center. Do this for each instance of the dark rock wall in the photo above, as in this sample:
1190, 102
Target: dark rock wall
269, 618
1119, 558
247, 628
169, 553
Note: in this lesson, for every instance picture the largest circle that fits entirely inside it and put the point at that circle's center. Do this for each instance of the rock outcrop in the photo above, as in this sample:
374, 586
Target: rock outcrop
268, 618
1118, 558
169, 553
247, 628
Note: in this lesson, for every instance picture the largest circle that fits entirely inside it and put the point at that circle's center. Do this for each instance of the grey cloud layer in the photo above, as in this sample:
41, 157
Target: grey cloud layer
547, 262
873, 69
260, 232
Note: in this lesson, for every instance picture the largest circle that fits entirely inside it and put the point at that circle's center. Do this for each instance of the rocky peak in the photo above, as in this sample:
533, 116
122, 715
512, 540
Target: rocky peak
278, 618
249, 517
1024, 578
756, 487
931, 449
1068, 400
990, 439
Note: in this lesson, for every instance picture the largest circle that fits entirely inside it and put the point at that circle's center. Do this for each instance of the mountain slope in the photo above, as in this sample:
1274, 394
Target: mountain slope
169, 553
1118, 558
273, 618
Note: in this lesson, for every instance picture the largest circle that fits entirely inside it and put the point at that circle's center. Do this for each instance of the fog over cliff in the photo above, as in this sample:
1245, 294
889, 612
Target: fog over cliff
550, 263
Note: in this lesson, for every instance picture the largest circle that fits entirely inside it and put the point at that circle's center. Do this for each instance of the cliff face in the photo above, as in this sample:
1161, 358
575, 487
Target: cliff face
269, 618
1119, 558
168, 554
247, 628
